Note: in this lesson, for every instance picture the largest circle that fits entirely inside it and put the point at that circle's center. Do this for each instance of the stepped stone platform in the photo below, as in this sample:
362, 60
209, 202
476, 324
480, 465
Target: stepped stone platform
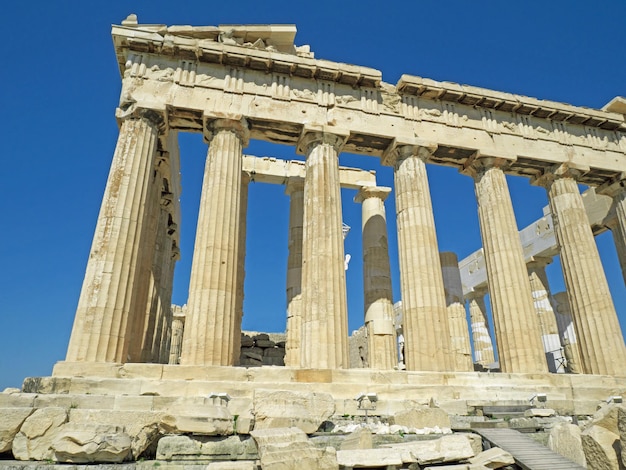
455, 392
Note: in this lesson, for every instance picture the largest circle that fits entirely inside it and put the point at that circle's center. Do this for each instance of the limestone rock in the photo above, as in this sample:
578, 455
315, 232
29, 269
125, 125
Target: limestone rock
141, 426
12, 420
600, 446
206, 448
493, 458
85, 443
539, 412
621, 427
208, 420
565, 439
607, 417
359, 439
35, 437
369, 458
281, 409
290, 449
244, 465
422, 418
448, 448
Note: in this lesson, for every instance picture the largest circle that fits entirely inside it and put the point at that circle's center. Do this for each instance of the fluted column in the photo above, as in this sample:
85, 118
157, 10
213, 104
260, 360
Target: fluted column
597, 328
324, 334
617, 190
425, 318
295, 190
567, 333
378, 296
178, 326
481, 338
457, 319
209, 337
167, 287
545, 313
516, 325
241, 264
109, 300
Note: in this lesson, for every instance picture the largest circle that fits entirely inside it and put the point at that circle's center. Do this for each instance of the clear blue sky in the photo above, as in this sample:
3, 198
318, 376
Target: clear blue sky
60, 86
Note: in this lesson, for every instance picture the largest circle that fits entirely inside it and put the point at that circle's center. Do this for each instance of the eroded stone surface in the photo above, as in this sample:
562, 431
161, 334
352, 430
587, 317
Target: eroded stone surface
493, 458
12, 420
565, 439
35, 437
450, 448
190, 448
279, 409
422, 418
85, 443
600, 445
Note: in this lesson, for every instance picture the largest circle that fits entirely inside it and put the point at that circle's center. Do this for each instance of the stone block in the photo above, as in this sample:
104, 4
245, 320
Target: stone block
134, 403
262, 343
601, 448
203, 448
448, 448
274, 352
85, 443
607, 417
209, 420
565, 439
37, 433
46, 385
420, 418
369, 458
493, 458
621, 427
282, 409
12, 420
359, 439
244, 465
313, 375
279, 447
539, 412
20, 400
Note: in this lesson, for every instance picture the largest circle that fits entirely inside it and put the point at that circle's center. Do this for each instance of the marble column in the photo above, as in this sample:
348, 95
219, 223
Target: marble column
481, 338
167, 287
241, 263
617, 225
211, 322
545, 313
295, 190
178, 326
324, 333
598, 331
457, 319
567, 332
109, 300
425, 318
515, 321
378, 296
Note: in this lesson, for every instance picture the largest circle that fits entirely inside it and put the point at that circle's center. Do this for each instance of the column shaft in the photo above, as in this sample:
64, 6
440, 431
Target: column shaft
457, 319
178, 325
324, 332
515, 321
378, 296
109, 297
483, 346
567, 332
425, 322
597, 327
241, 264
209, 337
295, 189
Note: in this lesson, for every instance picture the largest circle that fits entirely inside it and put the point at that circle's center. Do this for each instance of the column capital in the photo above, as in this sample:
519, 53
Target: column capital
238, 126
477, 292
294, 184
156, 116
564, 170
380, 192
614, 187
400, 149
312, 135
476, 165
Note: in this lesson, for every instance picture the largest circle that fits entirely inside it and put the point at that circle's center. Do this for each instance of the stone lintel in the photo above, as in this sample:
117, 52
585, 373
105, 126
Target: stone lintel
315, 134
365, 192
272, 170
564, 170
399, 147
614, 187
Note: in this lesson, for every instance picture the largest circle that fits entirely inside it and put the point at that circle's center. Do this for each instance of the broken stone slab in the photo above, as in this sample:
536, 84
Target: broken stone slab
599, 445
493, 458
447, 448
191, 448
141, 426
359, 439
422, 418
539, 412
36, 435
621, 427
85, 443
12, 420
607, 417
369, 458
290, 449
565, 439
284, 409
198, 418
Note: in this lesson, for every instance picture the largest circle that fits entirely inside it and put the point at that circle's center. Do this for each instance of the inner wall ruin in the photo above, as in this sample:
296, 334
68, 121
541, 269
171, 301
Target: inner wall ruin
145, 379
251, 82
